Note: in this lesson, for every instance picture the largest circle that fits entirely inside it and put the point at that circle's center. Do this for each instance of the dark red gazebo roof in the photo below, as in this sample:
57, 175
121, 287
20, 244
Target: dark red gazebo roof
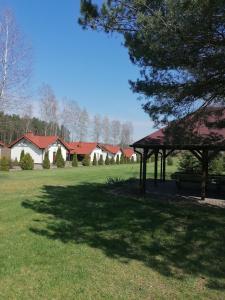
189, 133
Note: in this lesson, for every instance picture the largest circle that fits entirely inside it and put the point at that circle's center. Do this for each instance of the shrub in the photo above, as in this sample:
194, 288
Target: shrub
46, 161
169, 161
188, 163
94, 163
101, 161
15, 163
75, 161
152, 158
107, 161
132, 160
60, 162
122, 159
27, 162
112, 161
86, 161
216, 166
4, 164
22, 153
117, 160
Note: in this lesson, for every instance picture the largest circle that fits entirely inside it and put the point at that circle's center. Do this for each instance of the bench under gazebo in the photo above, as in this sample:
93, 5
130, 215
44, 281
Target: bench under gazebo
204, 139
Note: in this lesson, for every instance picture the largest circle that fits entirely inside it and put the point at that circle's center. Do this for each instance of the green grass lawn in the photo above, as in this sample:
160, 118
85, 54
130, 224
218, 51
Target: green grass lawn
64, 236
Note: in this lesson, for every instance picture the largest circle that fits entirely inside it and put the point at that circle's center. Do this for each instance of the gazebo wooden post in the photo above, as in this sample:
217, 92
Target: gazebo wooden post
161, 166
164, 164
145, 154
156, 166
141, 164
205, 166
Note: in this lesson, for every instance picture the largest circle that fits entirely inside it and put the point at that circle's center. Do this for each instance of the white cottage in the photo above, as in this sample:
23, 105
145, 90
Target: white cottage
129, 153
112, 151
37, 146
84, 148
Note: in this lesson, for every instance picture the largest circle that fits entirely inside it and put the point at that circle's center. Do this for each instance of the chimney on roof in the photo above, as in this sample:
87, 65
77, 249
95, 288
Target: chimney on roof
29, 133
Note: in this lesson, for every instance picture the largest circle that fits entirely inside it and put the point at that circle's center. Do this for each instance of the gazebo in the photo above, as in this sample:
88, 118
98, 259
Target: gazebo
204, 138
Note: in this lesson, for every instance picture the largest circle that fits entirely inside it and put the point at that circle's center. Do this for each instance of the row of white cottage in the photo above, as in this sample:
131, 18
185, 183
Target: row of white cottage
37, 146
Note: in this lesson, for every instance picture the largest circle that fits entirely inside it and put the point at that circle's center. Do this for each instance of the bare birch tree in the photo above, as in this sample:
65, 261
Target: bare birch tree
27, 116
15, 62
115, 132
49, 109
70, 117
97, 128
106, 130
126, 134
83, 125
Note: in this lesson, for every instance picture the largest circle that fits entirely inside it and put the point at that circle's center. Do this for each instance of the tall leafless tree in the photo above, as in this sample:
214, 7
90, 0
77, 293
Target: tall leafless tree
27, 116
49, 109
126, 134
15, 62
70, 117
115, 132
97, 128
106, 130
83, 125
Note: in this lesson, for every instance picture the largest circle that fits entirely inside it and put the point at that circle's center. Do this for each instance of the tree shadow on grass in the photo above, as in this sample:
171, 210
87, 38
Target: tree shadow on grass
174, 239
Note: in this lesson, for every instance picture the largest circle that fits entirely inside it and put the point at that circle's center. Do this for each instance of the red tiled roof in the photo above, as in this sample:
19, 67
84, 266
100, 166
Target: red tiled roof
40, 141
202, 132
128, 152
81, 148
111, 149
2, 144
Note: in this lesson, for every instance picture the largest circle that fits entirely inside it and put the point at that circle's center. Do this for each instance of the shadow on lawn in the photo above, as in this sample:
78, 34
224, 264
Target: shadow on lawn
174, 239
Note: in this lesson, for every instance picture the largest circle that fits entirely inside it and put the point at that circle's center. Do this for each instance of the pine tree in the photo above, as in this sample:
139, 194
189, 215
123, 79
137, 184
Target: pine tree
94, 163
74, 161
60, 163
86, 161
22, 153
117, 160
107, 161
101, 161
46, 161
112, 161
122, 159
188, 163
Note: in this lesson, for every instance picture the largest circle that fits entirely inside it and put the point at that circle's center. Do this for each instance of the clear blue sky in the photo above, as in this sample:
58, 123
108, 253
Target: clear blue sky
89, 67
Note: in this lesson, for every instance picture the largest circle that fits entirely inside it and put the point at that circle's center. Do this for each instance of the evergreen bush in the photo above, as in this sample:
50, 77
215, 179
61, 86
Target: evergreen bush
117, 160
188, 163
27, 162
22, 153
216, 166
132, 160
75, 161
107, 161
122, 159
94, 163
112, 161
4, 164
46, 161
86, 161
60, 162
169, 161
101, 161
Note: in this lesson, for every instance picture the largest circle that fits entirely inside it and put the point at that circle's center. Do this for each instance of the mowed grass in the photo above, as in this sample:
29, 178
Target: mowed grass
63, 235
